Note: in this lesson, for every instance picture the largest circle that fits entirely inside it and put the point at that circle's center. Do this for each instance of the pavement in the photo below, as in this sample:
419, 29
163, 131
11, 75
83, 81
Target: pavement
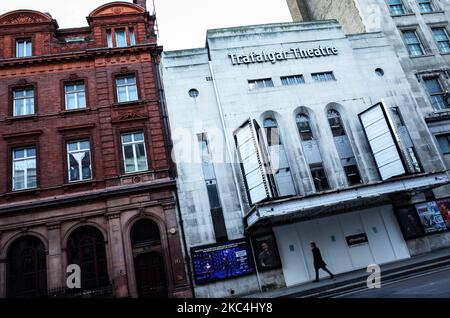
434, 284
356, 280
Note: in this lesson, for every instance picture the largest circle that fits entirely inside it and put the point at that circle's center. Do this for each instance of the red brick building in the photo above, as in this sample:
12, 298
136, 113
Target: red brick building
85, 172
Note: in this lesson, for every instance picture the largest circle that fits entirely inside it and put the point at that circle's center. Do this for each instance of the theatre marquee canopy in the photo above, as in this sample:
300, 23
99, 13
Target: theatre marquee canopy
296, 207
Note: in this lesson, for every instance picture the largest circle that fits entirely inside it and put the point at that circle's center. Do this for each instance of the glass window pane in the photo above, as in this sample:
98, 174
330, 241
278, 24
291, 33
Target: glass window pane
126, 138
81, 100
138, 136
141, 157
19, 107
129, 158
132, 93
122, 94
84, 145
70, 101
433, 86
31, 152
132, 37
121, 39
74, 168
86, 166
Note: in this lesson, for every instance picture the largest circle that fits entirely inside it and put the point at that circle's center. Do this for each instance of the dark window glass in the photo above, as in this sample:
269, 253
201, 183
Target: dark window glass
145, 231
304, 127
213, 194
272, 132
319, 177
334, 118
352, 174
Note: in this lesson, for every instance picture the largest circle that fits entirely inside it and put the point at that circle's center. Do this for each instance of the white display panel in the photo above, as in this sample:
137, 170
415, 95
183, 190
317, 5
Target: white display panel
382, 143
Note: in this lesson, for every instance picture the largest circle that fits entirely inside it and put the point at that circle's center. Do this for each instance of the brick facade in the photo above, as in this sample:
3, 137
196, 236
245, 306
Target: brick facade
111, 200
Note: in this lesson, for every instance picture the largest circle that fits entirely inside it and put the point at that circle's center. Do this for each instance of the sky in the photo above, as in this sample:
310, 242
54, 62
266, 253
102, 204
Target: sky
182, 23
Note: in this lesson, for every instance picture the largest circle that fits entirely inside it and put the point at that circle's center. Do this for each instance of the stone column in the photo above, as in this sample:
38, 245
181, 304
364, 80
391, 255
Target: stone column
118, 263
181, 284
2, 278
55, 272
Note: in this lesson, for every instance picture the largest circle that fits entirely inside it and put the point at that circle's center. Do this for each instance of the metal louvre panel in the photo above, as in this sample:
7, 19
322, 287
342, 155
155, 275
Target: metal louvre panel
312, 151
249, 152
382, 143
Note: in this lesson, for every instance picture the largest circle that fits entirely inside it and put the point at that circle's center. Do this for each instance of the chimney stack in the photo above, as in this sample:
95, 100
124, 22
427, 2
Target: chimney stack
141, 3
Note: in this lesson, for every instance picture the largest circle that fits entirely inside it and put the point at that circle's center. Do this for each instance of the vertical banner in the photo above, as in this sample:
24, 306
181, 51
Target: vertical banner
382, 143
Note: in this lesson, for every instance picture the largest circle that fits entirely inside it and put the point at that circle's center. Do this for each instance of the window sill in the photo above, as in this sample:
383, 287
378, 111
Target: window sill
134, 174
91, 182
433, 12
75, 111
408, 14
24, 117
132, 103
24, 191
421, 56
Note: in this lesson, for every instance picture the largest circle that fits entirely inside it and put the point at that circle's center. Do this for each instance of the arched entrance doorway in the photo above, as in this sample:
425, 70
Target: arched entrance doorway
86, 248
27, 268
148, 260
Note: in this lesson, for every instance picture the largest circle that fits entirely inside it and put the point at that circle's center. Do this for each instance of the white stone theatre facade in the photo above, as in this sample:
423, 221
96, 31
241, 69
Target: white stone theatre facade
291, 133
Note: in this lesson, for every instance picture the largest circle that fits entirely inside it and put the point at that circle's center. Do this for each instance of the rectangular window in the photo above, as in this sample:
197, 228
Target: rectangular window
23, 101
425, 6
121, 38
109, 38
323, 77
319, 177
24, 48
436, 92
126, 88
132, 36
260, 83
396, 7
24, 168
413, 43
134, 154
442, 39
79, 160
75, 95
352, 174
292, 80
444, 145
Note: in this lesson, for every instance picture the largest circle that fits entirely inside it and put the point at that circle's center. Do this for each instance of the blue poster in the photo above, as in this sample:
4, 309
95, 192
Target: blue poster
222, 261
431, 217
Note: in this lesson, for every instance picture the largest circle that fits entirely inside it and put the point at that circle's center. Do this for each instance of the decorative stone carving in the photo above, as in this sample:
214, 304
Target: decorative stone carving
22, 18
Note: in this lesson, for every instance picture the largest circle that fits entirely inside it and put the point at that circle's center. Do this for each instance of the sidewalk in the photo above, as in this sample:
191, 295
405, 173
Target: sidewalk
357, 279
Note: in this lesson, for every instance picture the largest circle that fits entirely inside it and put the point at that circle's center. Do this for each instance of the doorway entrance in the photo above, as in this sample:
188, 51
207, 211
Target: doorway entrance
148, 260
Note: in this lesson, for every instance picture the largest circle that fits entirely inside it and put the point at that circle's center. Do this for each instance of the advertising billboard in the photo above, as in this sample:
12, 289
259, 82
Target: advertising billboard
222, 261
431, 217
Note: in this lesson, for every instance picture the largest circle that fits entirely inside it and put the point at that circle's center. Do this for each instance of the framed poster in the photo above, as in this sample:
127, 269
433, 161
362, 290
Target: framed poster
431, 217
266, 252
222, 261
444, 208
410, 223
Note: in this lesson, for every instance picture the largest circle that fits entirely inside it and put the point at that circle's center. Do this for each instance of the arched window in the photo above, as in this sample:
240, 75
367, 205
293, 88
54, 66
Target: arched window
344, 148
86, 248
272, 132
304, 127
27, 268
145, 232
334, 118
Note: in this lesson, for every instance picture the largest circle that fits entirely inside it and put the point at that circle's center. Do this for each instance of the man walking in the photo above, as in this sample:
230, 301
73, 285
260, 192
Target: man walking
319, 262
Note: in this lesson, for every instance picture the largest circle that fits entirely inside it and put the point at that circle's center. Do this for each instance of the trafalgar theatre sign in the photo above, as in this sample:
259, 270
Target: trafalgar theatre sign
273, 57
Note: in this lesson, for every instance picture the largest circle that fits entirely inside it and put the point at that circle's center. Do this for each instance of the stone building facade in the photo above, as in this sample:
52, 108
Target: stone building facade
419, 33
273, 151
86, 176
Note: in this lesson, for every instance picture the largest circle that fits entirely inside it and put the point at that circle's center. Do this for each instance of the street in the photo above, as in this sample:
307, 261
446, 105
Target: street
431, 285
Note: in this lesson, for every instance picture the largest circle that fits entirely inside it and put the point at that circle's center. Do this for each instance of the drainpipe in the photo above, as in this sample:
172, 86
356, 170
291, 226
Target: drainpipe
236, 182
172, 168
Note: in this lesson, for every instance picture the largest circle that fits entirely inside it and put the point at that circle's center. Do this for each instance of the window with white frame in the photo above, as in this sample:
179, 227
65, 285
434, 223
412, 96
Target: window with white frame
121, 38
323, 76
413, 43
425, 6
24, 168
442, 40
23, 101
75, 95
126, 88
292, 80
134, 153
436, 92
132, 36
24, 48
260, 83
79, 160
396, 7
